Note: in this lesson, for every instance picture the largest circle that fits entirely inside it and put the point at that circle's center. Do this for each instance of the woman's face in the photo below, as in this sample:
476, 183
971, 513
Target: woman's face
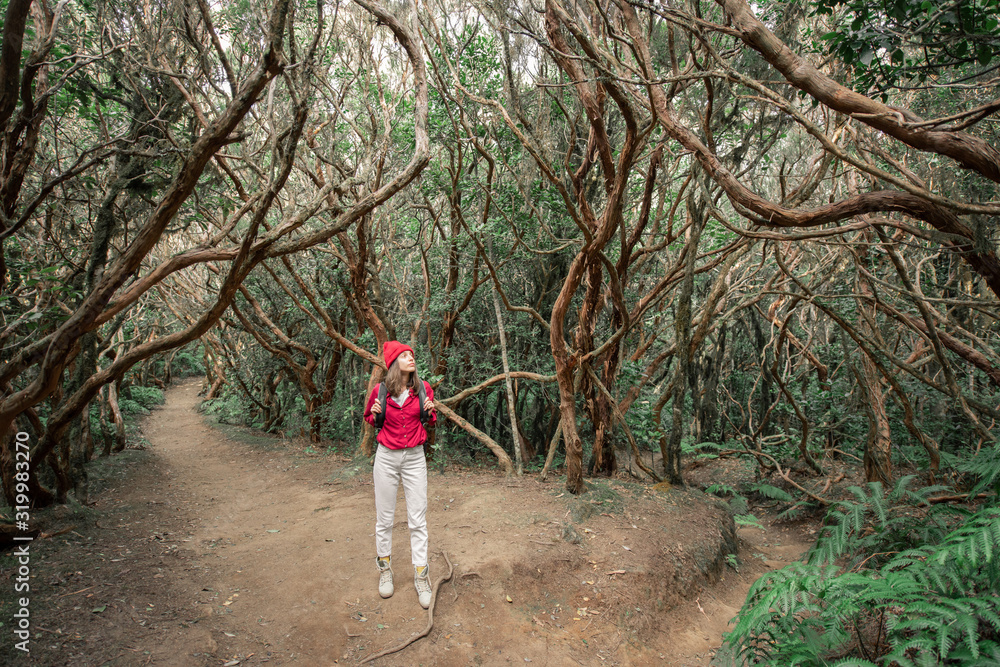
406, 363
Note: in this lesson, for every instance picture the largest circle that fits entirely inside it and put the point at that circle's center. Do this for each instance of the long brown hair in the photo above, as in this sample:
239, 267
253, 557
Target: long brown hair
395, 379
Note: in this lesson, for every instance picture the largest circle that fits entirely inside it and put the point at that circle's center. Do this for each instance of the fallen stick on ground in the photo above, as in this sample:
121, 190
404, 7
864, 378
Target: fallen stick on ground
79, 591
430, 618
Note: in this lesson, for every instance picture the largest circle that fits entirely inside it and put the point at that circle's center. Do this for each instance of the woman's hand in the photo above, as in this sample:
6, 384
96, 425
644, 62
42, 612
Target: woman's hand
376, 407
429, 405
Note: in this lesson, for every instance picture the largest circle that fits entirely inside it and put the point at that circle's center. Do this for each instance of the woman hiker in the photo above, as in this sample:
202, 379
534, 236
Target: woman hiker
399, 413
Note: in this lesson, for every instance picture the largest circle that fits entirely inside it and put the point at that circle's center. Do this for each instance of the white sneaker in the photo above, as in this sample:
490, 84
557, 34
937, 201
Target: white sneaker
385, 588
422, 582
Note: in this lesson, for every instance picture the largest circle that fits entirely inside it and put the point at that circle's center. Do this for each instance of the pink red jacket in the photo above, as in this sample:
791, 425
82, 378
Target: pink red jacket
402, 427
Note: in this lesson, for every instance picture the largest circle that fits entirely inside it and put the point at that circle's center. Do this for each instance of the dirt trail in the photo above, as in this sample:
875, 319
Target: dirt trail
223, 551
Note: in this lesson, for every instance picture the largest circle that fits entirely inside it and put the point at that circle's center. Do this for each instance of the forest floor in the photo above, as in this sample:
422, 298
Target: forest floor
219, 546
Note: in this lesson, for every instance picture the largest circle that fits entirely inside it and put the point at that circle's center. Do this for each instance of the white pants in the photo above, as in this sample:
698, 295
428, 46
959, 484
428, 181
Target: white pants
391, 466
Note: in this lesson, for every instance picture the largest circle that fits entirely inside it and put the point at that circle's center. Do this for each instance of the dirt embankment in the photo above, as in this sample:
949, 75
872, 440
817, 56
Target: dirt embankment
205, 549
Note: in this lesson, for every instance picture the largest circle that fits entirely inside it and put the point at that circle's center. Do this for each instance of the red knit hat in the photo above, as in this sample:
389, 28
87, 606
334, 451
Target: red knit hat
392, 349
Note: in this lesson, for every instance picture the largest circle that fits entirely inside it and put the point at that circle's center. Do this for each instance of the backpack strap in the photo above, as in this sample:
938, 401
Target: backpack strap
424, 418
422, 395
380, 417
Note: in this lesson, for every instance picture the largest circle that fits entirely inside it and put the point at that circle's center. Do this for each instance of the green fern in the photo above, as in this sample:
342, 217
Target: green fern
940, 603
738, 504
883, 523
747, 520
984, 468
773, 492
720, 489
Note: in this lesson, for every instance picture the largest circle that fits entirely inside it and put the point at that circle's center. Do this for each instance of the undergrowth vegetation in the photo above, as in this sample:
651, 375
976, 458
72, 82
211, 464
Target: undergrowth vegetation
898, 576
140, 400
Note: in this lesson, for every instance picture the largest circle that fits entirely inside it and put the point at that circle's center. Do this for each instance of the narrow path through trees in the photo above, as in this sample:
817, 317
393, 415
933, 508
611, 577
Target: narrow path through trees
238, 547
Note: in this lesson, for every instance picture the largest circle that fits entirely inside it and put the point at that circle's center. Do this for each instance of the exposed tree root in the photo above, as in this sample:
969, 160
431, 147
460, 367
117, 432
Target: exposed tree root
430, 618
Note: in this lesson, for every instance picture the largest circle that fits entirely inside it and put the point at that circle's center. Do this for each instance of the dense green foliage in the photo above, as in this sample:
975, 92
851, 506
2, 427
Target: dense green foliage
900, 43
892, 580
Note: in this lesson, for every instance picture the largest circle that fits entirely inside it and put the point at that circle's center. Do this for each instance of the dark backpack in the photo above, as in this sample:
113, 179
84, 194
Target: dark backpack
383, 398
